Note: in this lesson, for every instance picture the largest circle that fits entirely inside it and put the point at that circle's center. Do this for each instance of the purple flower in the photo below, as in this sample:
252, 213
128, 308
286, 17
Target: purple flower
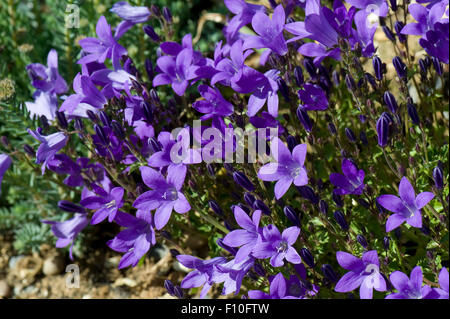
204, 273
232, 273
270, 32
278, 246
50, 145
106, 204
102, 48
351, 182
131, 15
244, 13
136, 240
432, 25
213, 105
442, 291
288, 168
247, 237
68, 230
265, 91
47, 79
278, 290
408, 288
44, 103
267, 122
313, 97
364, 273
406, 207
165, 195
5, 163
177, 71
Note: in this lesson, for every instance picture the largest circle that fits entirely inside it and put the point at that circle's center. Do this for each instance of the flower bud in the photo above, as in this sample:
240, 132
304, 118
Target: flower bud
44, 122
393, 5
438, 176
245, 208
303, 117
70, 207
174, 252
259, 270
298, 76
423, 67
389, 34
259, 204
364, 203
5, 141
79, 126
386, 242
308, 193
154, 144
101, 134
383, 130
390, 101
155, 10
329, 273
336, 79
154, 96
92, 116
350, 82
178, 292
350, 135
216, 208
148, 112
398, 28
362, 241
371, 80
229, 168
151, 33
242, 180
340, 219
332, 128
149, 69
363, 138
412, 112
400, 67
249, 199
169, 287
337, 199
118, 130
62, 120
292, 215
323, 207
29, 150
231, 250
283, 89
210, 169
307, 257
378, 67
291, 142
310, 67
167, 15
437, 65
165, 234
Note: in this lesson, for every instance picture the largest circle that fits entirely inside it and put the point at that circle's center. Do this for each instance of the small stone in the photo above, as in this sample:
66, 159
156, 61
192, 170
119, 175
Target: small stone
181, 268
125, 282
14, 260
53, 266
5, 289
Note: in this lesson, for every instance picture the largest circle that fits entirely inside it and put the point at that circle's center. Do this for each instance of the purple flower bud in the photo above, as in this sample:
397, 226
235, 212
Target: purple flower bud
423, 67
310, 67
390, 101
210, 169
231, 250
101, 134
437, 65
308, 193
166, 234
332, 128
151, 33
241, 179
29, 150
363, 138
178, 292
303, 117
216, 208
118, 130
386, 242
337, 199
364, 203
370, 78
425, 230
169, 287
154, 144
291, 142
245, 208
400, 67
148, 112
298, 76
292, 215
362, 241
336, 79
389, 34
383, 130
438, 176
378, 67
259, 270
340, 219
283, 88
350, 135
62, 121
249, 199
259, 204
154, 96
79, 126
350, 82
174, 252
229, 168
412, 112
167, 15
5, 141
44, 122
323, 207
155, 10
307, 257
393, 5
398, 28
149, 69
92, 116
70, 207
329, 273
104, 118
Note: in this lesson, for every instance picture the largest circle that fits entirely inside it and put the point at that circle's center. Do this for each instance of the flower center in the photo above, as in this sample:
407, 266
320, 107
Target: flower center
282, 247
111, 204
170, 194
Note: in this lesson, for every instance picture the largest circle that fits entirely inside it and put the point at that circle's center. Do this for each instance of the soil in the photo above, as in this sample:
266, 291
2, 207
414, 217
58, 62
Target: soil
25, 276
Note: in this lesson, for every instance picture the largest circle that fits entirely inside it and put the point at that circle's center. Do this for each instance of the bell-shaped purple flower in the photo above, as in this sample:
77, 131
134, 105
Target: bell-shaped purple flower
351, 182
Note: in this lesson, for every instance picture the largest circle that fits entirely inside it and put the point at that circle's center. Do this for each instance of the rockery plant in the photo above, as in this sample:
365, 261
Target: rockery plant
315, 168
